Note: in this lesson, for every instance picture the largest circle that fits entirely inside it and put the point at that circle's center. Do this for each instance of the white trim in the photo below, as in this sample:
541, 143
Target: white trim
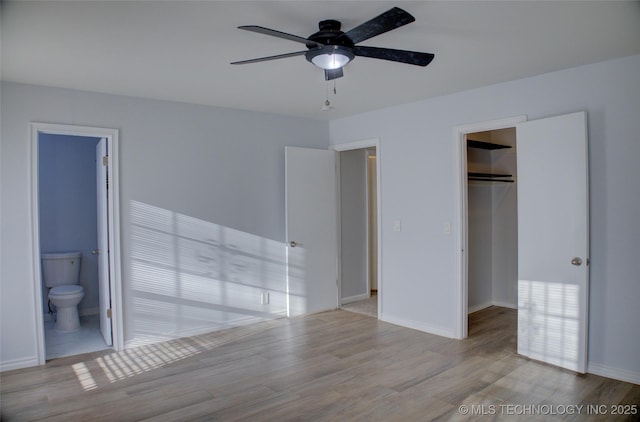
115, 270
615, 373
367, 176
355, 298
367, 234
114, 227
35, 249
485, 305
478, 307
460, 212
10, 365
338, 158
369, 143
430, 329
505, 304
365, 143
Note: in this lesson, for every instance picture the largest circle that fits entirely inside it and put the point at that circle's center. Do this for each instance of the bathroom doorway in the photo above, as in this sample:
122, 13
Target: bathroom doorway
74, 202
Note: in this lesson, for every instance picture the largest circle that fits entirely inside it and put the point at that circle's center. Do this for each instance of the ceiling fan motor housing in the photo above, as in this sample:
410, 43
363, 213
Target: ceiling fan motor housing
329, 34
337, 50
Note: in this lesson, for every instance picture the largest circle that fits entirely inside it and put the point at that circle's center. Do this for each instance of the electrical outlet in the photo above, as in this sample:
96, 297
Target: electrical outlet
264, 298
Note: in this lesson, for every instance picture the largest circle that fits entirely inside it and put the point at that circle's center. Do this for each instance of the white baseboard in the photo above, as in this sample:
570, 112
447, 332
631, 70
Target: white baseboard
431, 329
153, 339
505, 304
615, 373
481, 306
355, 298
18, 364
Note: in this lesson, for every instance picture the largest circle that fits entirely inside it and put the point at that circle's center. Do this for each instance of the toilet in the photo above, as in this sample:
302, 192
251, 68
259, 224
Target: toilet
61, 273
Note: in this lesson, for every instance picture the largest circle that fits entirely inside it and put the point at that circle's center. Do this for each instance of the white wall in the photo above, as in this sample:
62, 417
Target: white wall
504, 198
419, 262
479, 229
206, 183
479, 248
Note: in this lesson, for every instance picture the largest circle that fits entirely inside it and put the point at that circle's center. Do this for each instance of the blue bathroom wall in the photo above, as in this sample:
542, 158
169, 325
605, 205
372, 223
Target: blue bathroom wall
67, 205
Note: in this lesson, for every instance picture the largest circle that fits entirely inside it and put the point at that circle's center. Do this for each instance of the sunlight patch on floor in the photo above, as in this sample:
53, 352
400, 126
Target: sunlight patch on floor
84, 376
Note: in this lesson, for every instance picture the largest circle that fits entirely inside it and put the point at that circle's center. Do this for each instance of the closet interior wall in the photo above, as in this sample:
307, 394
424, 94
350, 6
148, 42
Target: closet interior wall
492, 223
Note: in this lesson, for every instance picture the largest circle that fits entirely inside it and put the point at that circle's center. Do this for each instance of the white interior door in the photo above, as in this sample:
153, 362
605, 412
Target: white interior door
553, 240
103, 242
311, 225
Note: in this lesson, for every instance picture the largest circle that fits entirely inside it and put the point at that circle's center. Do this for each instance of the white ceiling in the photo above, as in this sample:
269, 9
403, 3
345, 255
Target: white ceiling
181, 50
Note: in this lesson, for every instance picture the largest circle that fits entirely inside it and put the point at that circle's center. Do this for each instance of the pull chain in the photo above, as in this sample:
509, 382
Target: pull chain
327, 104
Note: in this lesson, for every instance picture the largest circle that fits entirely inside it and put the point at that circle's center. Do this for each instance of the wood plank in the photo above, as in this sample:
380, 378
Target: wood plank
334, 365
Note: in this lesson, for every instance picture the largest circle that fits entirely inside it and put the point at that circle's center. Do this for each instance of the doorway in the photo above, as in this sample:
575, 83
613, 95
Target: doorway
482, 295
492, 223
492, 227
552, 231
70, 203
359, 247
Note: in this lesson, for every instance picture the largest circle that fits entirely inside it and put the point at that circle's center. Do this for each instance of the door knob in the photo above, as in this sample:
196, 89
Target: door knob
293, 244
95, 252
576, 261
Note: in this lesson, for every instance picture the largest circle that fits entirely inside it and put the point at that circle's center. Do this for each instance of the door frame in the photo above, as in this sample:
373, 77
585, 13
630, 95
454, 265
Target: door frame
113, 194
350, 146
461, 217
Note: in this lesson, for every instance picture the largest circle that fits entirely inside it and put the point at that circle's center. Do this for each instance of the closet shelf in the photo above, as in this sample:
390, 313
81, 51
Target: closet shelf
481, 179
485, 145
489, 177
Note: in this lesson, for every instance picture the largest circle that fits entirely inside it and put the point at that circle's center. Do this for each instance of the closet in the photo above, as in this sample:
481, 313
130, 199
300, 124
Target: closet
492, 219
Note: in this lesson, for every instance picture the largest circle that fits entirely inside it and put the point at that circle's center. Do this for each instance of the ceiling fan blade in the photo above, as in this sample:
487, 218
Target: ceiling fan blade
402, 56
391, 19
331, 74
264, 59
279, 34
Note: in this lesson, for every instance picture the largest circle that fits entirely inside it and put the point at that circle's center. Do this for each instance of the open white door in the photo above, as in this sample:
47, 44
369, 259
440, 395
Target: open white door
553, 240
103, 242
311, 225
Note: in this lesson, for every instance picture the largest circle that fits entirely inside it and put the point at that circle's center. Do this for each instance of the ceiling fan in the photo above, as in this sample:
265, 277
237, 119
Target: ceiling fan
331, 49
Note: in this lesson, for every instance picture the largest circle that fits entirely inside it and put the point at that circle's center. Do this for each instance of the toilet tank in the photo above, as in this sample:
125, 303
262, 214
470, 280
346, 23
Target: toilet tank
60, 269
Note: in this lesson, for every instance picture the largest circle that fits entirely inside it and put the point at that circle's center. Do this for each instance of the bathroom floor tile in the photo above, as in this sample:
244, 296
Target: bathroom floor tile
87, 339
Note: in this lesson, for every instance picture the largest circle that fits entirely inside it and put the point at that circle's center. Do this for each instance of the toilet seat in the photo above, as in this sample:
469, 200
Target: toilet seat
66, 290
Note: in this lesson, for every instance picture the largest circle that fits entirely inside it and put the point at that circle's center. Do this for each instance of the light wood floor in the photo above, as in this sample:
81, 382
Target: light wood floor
338, 366
367, 307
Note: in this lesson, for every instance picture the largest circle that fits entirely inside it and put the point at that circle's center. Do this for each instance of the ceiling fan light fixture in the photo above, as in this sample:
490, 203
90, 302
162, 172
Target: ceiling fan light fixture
330, 57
